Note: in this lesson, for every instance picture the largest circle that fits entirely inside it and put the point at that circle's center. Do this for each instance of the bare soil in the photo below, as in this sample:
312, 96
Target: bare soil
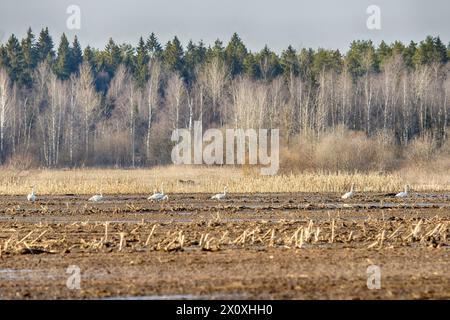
266, 246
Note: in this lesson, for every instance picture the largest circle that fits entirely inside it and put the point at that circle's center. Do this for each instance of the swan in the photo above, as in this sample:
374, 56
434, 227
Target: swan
96, 198
403, 194
349, 194
32, 196
158, 196
220, 196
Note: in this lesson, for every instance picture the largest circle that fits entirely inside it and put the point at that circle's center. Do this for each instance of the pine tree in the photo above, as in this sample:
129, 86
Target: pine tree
383, 53
62, 65
431, 50
361, 58
325, 60
398, 48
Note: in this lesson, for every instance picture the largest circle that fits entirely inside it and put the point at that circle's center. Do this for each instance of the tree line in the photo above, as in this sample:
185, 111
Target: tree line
69, 106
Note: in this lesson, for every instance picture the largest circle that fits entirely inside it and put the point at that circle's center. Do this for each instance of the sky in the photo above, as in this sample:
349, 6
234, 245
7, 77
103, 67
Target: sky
327, 24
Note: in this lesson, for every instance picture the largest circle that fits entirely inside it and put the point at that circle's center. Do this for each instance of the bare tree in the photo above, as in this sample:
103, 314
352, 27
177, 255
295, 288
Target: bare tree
123, 96
5, 107
213, 78
152, 98
175, 97
51, 119
87, 102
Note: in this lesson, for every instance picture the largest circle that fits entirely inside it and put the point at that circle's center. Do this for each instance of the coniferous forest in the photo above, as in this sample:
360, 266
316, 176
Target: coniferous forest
62, 105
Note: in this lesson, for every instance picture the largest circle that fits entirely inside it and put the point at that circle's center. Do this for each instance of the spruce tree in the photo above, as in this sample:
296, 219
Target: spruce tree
112, 57
15, 62
383, 53
235, 54
76, 55
127, 57
251, 67
216, 51
305, 62
142, 59
173, 56
361, 58
154, 47
44, 47
268, 63
409, 53
29, 50
289, 62
193, 59
62, 65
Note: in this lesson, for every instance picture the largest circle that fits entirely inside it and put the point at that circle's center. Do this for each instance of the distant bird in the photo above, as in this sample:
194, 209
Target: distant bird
96, 198
32, 196
158, 196
349, 194
403, 194
220, 196
188, 182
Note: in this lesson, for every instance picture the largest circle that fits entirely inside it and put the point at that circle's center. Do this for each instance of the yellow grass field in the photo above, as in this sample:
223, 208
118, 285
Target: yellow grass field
196, 179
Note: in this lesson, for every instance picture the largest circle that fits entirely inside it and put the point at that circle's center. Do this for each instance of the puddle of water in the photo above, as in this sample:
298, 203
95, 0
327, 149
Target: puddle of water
229, 296
27, 274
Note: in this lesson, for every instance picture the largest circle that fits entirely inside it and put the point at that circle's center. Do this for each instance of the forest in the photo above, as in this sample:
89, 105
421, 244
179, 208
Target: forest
67, 106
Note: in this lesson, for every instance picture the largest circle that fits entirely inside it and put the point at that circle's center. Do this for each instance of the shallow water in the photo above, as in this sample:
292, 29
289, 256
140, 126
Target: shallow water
229, 296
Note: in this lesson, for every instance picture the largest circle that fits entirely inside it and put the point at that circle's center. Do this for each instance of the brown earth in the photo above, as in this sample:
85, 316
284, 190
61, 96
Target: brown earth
267, 246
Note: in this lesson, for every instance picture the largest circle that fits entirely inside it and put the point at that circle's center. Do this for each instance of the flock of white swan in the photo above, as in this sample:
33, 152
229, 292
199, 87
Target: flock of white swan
161, 196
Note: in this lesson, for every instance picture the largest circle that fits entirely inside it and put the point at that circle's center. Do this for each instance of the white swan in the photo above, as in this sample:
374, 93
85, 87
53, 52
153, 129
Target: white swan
158, 196
96, 198
32, 196
350, 193
220, 196
403, 194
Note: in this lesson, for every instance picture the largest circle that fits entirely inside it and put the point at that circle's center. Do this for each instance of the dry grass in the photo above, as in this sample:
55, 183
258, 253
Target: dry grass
197, 179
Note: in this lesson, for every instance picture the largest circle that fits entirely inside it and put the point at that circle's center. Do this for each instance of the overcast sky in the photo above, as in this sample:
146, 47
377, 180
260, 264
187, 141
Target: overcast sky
278, 23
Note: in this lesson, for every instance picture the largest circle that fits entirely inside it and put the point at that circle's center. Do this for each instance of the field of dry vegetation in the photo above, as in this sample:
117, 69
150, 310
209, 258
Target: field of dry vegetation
196, 179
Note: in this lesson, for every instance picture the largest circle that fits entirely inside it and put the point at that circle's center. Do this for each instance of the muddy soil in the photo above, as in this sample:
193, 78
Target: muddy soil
265, 246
